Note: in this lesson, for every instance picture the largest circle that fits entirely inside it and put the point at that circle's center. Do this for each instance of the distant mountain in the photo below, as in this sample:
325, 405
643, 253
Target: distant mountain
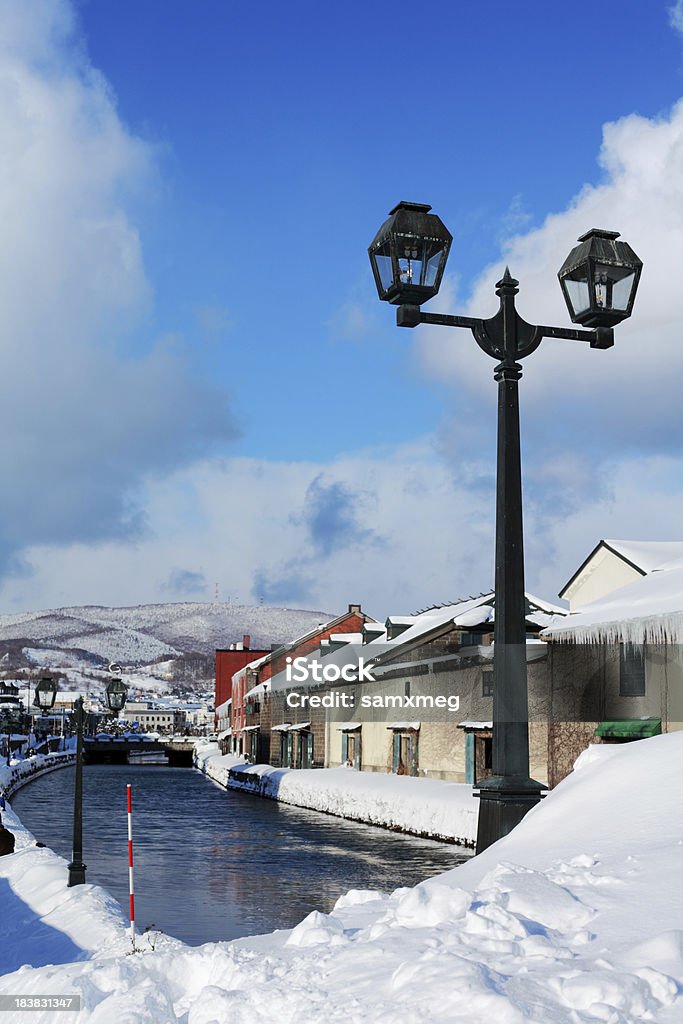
186, 634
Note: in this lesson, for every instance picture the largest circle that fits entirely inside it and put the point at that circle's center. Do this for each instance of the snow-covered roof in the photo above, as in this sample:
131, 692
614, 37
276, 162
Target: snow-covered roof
467, 724
473, 612
258, 690
250, 666
288, 727
649, 609
349, 726
648, 555
222, 709
644, 556
407, 726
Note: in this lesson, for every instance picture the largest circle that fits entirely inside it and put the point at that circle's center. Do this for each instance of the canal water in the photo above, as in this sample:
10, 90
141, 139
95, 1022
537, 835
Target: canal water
212, 864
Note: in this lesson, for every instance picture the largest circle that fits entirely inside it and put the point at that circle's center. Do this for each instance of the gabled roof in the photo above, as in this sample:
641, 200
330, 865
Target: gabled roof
291, 644
642, 555
649, 609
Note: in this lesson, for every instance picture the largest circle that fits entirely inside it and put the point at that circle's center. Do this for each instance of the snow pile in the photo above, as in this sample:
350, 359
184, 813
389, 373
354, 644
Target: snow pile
575, 918
424, 807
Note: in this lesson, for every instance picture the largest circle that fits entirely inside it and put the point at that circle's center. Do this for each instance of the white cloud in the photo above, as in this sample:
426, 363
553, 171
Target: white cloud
107, 489
83, 420
676, 16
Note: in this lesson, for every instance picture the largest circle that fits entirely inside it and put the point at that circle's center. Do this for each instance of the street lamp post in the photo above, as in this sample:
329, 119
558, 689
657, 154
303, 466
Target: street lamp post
7, 724
599, 279
77, 867
116, 697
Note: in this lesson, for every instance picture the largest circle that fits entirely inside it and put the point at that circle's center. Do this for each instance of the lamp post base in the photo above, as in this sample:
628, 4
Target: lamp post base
77, 872
504, 802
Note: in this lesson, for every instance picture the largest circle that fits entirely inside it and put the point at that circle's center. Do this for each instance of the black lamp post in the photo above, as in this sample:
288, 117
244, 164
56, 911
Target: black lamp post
7, 727
45, 694
116, 693
599, 279
77, 867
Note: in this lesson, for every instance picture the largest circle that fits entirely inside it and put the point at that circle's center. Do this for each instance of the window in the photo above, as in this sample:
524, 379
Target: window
405, 753
351, 749
487, 684
471, 639
631, 670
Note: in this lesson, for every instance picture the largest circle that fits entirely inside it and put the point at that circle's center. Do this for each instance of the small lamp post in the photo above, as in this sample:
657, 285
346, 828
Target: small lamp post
77, 867
7, 728
45, 695
599, 280
115, 693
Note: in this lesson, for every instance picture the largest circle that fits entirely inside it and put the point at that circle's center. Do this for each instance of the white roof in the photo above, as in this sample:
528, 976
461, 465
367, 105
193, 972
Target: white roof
414, 726
464, 613
288, 727
349, 726
467, 724
258, 690
648, 554
250, 666
649, 609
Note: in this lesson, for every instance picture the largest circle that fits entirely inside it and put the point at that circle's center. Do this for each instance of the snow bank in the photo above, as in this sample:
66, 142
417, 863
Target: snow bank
423, 807
575, 918
17, 774
42, 921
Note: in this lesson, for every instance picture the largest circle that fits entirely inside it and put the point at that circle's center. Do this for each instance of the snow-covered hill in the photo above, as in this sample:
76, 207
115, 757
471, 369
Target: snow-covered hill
140, 635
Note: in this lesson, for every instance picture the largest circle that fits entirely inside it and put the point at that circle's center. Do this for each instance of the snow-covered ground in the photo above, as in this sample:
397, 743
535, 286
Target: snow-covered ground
424, 807
575, 918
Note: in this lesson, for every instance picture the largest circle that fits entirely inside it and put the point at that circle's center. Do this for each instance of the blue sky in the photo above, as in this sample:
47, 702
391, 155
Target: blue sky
188, 197
287, 131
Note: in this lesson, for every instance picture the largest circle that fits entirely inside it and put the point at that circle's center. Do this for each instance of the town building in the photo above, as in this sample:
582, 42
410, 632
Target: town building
262, 727
615, 665
228, 661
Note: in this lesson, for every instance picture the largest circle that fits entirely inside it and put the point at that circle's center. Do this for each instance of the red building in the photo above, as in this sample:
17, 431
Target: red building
231, 660
251, 733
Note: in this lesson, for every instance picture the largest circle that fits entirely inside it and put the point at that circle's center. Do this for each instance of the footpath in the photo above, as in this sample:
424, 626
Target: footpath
428, 808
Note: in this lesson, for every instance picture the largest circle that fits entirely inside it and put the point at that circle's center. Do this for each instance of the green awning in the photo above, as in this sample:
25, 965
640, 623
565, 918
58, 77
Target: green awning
630, 728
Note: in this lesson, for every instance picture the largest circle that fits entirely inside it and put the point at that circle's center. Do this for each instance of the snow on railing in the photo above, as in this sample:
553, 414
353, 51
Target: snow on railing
14, 776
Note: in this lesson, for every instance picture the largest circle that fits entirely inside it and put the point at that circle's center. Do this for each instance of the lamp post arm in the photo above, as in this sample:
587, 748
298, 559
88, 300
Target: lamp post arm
412, 316
601, 337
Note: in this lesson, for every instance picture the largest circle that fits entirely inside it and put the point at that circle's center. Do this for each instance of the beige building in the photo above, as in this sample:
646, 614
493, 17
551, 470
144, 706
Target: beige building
428, 710
616, 665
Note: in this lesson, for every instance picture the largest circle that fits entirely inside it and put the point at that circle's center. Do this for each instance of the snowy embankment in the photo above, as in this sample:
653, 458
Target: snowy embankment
575, 918
423, 807
41, 919
13, 777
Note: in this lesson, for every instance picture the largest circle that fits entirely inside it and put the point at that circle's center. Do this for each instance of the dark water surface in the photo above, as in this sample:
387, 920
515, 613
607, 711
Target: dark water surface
212, 864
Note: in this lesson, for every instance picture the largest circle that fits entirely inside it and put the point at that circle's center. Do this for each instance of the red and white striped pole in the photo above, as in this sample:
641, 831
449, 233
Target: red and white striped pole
130, 864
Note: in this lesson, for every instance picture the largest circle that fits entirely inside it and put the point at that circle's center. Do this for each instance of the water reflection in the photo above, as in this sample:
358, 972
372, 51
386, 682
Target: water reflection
211, 864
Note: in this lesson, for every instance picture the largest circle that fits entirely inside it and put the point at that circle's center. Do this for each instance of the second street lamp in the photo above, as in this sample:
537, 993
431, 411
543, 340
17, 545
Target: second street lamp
45, 695
116, 693
77, 867
599, 279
